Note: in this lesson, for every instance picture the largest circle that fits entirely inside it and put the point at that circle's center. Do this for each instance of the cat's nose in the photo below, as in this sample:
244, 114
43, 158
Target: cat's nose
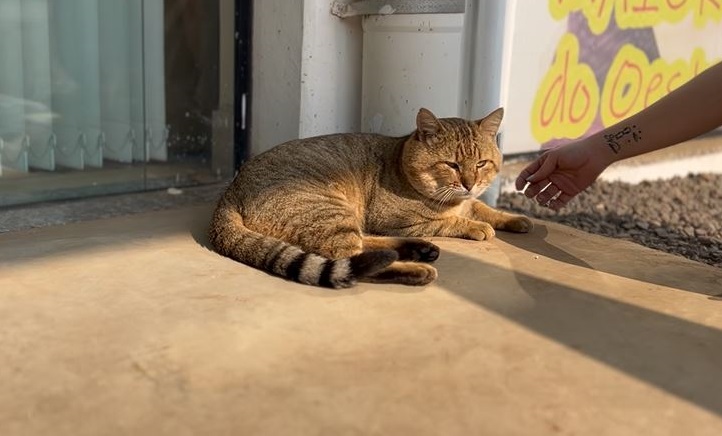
467, 183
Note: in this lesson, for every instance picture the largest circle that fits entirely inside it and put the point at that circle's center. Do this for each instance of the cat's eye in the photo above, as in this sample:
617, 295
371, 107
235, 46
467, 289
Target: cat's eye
453, 165
482, 163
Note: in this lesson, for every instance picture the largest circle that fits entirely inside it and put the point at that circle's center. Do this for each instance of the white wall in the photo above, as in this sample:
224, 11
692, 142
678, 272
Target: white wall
315, 73
306, 72
410, 61
330, 72
276, 76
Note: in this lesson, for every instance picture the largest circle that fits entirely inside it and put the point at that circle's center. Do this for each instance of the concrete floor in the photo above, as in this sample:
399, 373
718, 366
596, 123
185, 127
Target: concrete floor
131, 326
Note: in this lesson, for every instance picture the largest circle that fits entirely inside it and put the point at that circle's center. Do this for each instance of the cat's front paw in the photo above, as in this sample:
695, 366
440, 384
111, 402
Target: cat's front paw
481, 231
519, 224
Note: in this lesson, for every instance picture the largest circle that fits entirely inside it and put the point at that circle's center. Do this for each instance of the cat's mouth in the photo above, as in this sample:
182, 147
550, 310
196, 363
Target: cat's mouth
464, 195
451, 194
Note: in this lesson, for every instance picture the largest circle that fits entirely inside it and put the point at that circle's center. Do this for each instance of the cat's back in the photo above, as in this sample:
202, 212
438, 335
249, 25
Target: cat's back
317, 159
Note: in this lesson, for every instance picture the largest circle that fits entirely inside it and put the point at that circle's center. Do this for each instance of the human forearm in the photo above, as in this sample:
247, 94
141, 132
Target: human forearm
689, 111
558, 175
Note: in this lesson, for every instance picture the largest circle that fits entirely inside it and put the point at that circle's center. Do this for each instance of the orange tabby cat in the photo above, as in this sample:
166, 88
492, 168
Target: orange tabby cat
335, 209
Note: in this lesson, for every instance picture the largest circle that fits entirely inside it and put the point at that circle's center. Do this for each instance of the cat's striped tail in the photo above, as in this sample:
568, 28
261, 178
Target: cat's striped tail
231, 238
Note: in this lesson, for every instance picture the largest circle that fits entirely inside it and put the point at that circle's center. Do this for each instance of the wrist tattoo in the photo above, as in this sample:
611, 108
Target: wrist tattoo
624, 136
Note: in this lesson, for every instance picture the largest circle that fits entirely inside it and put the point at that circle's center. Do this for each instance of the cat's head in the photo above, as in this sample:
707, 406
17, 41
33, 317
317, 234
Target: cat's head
451, 159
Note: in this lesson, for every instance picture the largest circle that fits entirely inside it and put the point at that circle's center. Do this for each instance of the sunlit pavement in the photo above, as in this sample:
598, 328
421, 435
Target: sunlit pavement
132, 326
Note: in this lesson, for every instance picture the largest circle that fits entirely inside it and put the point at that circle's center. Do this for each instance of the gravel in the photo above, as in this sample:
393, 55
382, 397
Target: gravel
682, 215
73, 211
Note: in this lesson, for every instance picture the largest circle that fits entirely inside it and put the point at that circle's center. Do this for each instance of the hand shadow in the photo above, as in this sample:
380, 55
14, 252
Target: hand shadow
616, 257
681, 357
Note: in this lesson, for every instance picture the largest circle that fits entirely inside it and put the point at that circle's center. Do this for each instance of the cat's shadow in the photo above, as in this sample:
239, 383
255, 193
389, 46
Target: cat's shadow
536, 242
199, 230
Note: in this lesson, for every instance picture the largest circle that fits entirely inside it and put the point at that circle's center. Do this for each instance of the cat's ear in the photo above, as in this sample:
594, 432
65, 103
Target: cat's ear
427, 124
490, 123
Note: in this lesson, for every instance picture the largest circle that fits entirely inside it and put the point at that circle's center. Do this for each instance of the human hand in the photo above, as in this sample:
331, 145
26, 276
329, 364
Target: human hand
559, 174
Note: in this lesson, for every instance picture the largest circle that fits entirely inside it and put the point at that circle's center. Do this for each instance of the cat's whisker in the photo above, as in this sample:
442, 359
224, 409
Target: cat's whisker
441, 196
440, 204
439, 192
438, 200
437, 203
448, 195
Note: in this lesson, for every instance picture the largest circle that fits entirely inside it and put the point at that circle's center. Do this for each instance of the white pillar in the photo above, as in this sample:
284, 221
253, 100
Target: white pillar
488, 33
306, 72
410, 61
489, 29
277, 42
330, 72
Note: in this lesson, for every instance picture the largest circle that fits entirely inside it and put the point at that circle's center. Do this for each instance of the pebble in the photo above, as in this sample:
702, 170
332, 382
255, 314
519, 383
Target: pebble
661, 232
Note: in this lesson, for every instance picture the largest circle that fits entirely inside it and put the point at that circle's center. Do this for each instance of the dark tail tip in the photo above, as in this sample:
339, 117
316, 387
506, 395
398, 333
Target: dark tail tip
369, 262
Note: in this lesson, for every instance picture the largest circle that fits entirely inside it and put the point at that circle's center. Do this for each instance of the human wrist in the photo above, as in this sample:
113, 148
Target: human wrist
599, 151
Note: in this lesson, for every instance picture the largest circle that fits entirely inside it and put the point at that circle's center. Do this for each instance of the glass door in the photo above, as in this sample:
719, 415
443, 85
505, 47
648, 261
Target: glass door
109, 96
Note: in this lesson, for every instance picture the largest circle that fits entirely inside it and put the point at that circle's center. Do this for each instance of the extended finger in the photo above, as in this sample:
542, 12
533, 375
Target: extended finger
530, 169
535, 188
550, 193
560, 201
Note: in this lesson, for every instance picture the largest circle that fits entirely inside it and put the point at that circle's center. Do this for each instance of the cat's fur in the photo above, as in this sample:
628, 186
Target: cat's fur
335, 209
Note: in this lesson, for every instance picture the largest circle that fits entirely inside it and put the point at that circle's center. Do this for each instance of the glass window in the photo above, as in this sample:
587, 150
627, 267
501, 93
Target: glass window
108, 96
